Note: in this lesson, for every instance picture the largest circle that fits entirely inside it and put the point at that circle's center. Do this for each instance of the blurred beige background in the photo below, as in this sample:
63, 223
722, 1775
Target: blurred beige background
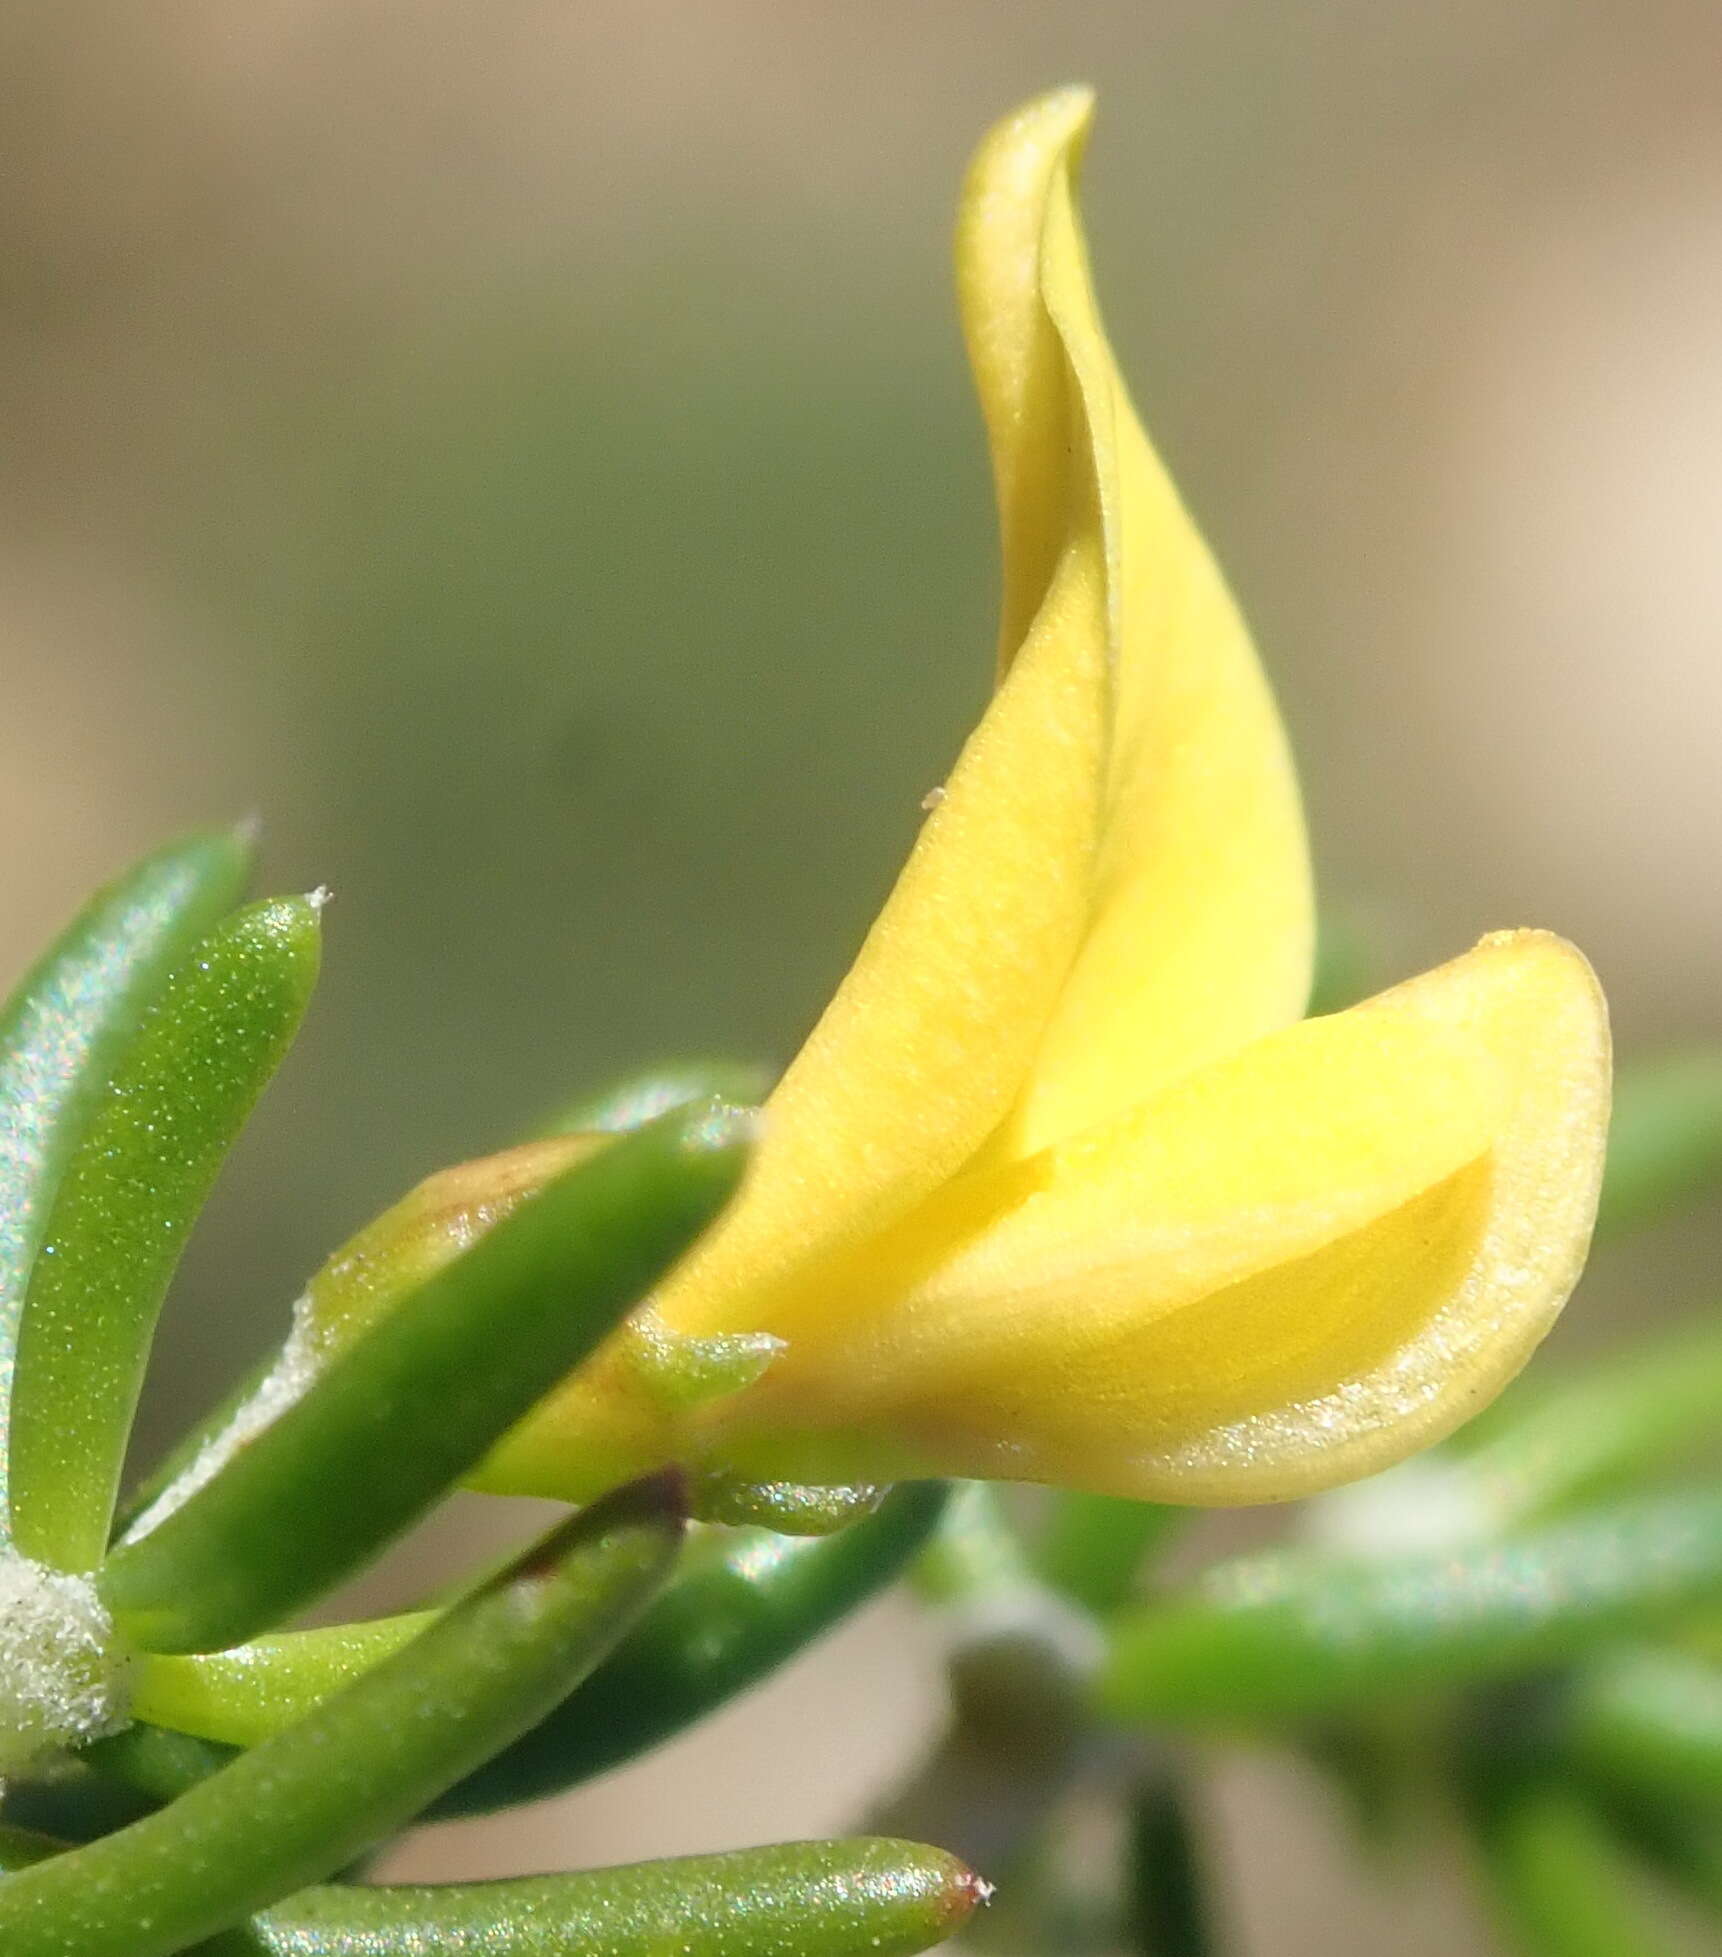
524, 450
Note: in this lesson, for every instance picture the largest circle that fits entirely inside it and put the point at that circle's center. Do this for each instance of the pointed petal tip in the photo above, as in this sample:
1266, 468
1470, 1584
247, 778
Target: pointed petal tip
1064, 110
1013, 161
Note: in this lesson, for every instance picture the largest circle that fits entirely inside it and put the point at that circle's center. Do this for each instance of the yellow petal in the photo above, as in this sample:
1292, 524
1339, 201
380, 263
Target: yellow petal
925, 1048
1290, 1270
1200, 935
1033, 413
1114, 888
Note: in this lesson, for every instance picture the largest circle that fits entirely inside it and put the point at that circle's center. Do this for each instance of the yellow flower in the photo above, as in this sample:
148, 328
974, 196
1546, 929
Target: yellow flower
1060, 1189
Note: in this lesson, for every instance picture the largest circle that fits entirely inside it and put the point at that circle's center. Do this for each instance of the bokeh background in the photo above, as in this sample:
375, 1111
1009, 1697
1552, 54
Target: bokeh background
524, 450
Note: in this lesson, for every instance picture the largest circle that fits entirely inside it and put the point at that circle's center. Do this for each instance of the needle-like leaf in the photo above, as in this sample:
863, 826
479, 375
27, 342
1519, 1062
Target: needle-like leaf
175, 1102
1293, 1637
401, 1414
299, 1807
743, 1603
64, 1028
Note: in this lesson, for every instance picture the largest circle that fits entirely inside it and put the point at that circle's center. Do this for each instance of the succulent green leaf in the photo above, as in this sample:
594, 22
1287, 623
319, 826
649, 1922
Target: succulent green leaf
172, 1107
743, 1603
865, 1898
253, 1691
64, 1029
1664, 1142
400, 1415
1286, 1638
193, 1444
299, 1807
860, 1898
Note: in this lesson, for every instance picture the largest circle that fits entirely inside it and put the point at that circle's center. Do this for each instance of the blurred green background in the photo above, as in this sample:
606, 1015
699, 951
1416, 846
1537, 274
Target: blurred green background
524, 451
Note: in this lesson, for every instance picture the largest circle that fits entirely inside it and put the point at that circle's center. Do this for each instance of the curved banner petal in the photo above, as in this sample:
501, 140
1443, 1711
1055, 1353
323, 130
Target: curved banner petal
1201, 930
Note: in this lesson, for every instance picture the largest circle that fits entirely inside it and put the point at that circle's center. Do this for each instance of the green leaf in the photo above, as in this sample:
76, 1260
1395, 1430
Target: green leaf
292, 1811
420, 1398
1286, 1638
198, 1440
1562, 1883
1093, 1547
64, 1029
635, 1099
1649, 1721
861, 1898
176, 1100
864, 1898
1665, 1140
690, 1368
256, 1690
742, 1605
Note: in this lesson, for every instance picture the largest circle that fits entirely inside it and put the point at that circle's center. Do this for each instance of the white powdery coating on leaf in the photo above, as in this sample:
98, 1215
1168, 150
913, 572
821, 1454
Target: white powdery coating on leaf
293, 1371
61, 1678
